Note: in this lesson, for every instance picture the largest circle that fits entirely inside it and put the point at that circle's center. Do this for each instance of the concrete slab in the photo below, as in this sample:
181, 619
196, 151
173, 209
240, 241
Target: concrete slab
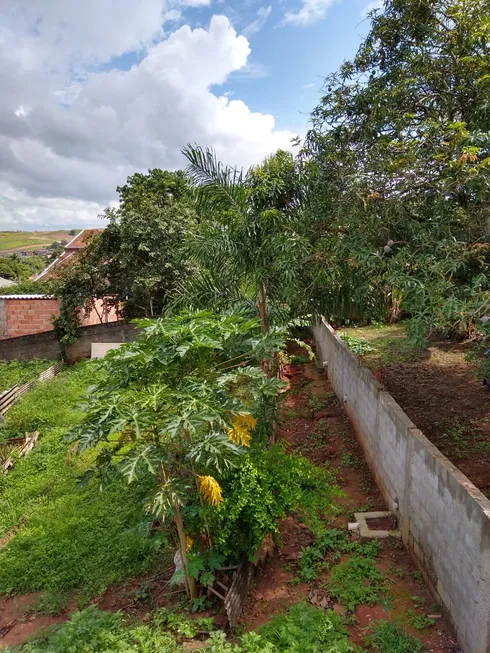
100, 349
368, 534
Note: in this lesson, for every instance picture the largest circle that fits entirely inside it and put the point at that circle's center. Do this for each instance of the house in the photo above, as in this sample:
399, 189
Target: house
72, 249
22, 314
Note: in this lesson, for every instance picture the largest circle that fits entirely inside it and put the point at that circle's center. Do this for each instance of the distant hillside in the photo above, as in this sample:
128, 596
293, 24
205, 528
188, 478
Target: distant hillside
16, 241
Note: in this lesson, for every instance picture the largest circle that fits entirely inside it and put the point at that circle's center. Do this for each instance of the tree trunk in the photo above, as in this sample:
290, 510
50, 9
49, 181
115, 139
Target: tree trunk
190, 582
264, 322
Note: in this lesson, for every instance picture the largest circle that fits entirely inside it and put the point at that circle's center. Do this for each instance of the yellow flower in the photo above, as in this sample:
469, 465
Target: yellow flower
188, 543
242, 425
210, 489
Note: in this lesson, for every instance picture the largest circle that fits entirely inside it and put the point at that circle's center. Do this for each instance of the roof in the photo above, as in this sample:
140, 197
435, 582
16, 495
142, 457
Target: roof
82, 239
27, 297
76, 244
4, 283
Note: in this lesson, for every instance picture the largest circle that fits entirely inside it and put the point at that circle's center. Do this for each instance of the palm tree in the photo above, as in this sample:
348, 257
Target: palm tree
250, 234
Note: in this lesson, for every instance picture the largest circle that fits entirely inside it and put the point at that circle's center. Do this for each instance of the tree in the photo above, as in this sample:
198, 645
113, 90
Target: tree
137, 262
398, 156
176, 409
154, 189
250, 241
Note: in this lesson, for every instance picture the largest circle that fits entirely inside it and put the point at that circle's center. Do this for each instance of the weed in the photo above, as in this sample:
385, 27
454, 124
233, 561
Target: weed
18, 372
416, 575
351, 460
51, 603
299, 360
418, 601
181, 624
460, 437
419, 621
399, 572
358, 346
333, 542
307, 629
391, 637
316, 404
93, 630
356, 581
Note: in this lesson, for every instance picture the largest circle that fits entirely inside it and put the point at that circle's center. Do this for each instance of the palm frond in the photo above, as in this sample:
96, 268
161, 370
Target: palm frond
219, 187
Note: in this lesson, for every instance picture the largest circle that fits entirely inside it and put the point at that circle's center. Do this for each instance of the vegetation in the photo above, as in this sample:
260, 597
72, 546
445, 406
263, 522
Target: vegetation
60, 536
391, 637
138, 260
30, 240
251, 243
19, 269
18, 372
176, 411
304, 628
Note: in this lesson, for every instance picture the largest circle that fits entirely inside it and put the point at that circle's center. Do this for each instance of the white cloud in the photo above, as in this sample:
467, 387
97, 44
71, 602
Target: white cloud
310, 12
309, 85
256, 25
375, 4
71, 131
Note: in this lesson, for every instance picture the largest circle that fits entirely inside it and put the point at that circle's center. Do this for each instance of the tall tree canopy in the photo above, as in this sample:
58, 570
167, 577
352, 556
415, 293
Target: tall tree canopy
250, 245
138, 260
399, 155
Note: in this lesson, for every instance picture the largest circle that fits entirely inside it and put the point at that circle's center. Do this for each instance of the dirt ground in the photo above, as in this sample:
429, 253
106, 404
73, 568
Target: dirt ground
440, 392
275, 589
313, 424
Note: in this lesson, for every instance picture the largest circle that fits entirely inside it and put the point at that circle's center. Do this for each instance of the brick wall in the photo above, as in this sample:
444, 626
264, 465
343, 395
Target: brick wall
20, 317
443, 518
30, 315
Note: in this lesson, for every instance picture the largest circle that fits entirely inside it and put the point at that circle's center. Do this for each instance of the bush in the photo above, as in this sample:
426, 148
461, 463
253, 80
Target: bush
267, 485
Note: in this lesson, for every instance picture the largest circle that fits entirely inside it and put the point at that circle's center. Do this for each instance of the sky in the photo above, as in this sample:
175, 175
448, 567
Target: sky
95, 90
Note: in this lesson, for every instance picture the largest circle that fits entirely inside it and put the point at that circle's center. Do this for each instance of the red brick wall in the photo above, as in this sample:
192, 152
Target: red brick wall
27, 316
23, 317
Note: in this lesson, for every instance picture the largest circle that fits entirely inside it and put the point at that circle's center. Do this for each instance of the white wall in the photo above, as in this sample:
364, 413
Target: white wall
443, 517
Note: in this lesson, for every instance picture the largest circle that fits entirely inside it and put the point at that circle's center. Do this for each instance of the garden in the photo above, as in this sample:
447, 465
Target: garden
210, 458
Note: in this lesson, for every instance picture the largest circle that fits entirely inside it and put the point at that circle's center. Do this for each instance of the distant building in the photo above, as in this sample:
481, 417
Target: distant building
72, 249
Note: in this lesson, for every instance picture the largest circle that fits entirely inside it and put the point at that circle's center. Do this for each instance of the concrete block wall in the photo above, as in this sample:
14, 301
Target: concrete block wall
443, 517
46, 345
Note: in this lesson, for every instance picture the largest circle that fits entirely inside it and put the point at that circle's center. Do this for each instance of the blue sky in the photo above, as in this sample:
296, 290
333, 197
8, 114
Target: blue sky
105, 88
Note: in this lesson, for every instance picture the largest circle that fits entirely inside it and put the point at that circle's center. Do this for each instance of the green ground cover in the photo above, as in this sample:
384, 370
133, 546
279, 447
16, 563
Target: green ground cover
28, 240
16, 372
62, 537
303, 629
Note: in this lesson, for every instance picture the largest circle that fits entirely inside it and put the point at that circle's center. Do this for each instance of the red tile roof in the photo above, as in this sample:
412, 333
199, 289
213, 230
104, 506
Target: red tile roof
77, 243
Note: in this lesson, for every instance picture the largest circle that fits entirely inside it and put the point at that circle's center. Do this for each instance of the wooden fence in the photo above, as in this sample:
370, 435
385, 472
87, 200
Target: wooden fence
9, 397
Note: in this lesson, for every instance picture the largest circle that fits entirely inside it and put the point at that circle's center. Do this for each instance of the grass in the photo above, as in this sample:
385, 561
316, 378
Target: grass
30, 240
391, 637
18, 372
70, 538
382, 345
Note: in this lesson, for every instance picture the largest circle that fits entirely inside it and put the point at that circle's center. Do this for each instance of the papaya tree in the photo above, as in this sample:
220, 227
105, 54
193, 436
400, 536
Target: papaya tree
176, 409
